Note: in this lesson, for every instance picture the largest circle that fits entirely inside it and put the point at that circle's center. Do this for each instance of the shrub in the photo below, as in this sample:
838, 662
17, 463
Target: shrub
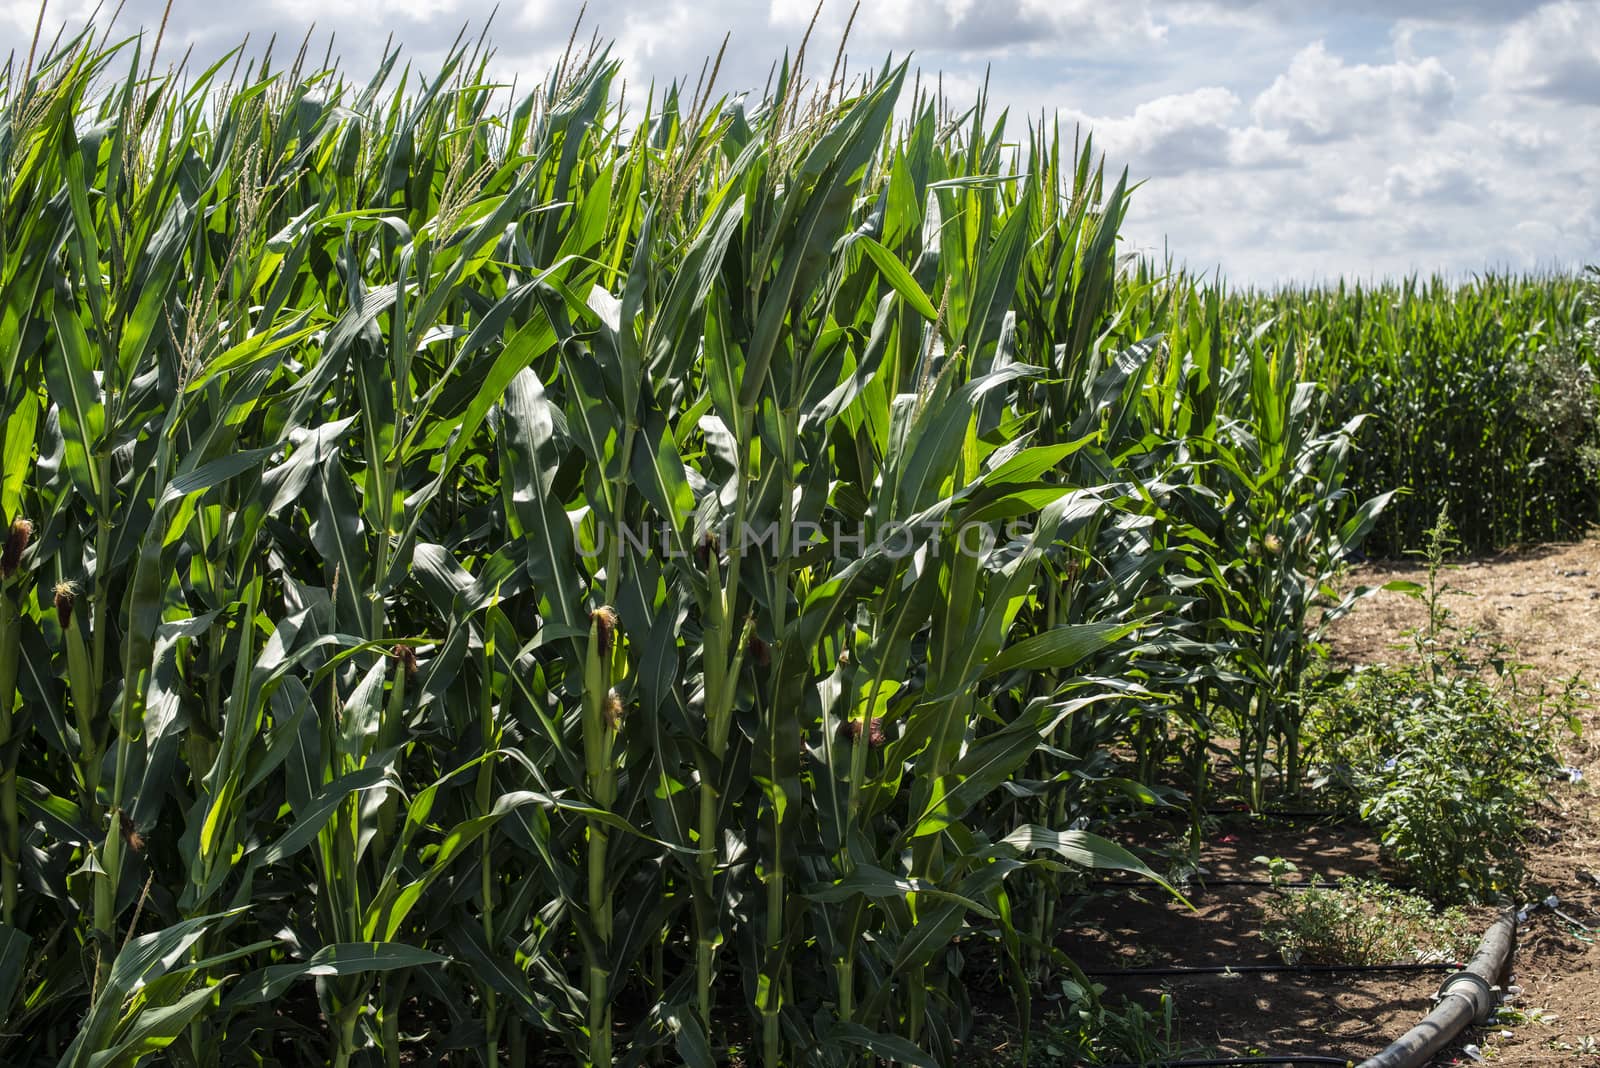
1446, 756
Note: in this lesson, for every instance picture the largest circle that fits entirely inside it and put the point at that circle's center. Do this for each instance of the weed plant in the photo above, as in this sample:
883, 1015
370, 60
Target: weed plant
1363, 921
1083, 1027
1449, 754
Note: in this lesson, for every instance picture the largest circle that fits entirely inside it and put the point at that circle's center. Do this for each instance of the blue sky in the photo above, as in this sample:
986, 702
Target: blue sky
1279, 141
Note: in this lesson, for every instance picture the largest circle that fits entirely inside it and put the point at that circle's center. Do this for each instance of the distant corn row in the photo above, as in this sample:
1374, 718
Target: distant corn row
1482, 398
531, 582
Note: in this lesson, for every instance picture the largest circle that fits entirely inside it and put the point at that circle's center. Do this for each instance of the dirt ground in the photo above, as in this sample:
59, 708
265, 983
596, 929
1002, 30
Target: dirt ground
1545, 604
1242, 1014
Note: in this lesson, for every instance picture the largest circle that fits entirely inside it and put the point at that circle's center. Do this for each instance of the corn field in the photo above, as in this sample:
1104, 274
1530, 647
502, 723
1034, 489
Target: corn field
1482, 398
550, 578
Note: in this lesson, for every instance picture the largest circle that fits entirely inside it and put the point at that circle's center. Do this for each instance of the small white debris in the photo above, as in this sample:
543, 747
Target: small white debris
1552, 901
1472, 1051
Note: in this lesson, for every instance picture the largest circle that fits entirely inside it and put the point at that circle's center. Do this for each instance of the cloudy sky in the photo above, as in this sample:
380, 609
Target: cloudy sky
1280, 140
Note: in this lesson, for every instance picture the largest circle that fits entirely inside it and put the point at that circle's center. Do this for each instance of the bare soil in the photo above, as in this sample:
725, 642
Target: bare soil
1246, 1014
1545, 604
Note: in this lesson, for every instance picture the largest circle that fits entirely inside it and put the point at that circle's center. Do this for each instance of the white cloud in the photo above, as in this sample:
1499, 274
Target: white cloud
1433, 179
1253, 147
966, 26
18, 18
1328, 138
338, 10
1321, 98
1554, 52
1170, 134
1529, 139
1438, 11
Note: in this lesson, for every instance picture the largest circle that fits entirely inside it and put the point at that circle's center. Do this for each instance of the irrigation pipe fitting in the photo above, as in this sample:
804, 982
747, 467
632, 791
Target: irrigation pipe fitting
1466, 997
1552, 902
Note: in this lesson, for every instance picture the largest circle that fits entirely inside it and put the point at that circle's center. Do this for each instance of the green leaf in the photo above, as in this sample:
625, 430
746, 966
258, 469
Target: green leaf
71, 379
344, 958
871, 881
888, 1047
1084, 850
153, 1028
315, 816
1058, 648
894, 272
20, 427
14, 945
689, 1037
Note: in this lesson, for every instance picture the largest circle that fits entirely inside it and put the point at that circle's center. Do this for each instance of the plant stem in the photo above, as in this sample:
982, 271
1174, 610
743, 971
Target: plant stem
10, 829
598, 735
769, 998
721, 670
345, 1023
485, 799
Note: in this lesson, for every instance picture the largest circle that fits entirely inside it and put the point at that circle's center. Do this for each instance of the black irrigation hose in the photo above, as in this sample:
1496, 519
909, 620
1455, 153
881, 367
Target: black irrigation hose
1225, 1062
1196, 880
1280, 813
1275, 813
1257, 969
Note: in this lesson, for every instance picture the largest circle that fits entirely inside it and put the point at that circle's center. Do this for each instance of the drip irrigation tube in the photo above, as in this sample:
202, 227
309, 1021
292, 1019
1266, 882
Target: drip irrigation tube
1318, 884
1258, 969
1281, 813
1178, 812
1466, 997
1227, 1062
